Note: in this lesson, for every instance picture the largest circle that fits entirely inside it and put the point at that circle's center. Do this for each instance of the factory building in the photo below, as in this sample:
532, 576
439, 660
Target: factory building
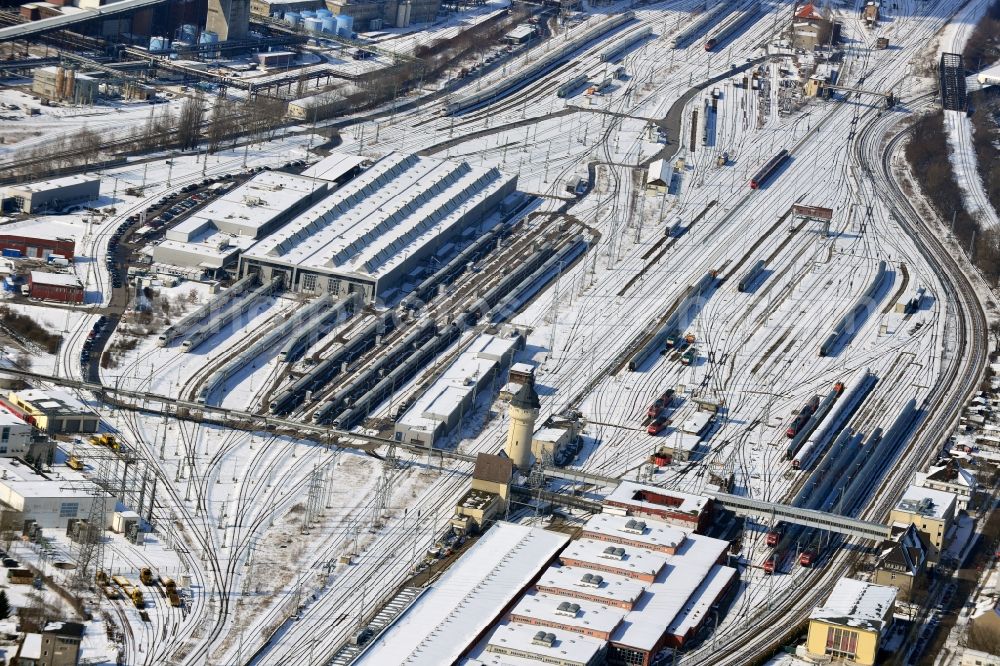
931, 511
279, 7
51, 194
619, 594
690, 512
51, 503
373, 233
373, 15
64, 84
51, 411
443, 405
36, 247
229, 19
810, 27
62, 287
214, 237
462, 605
852, 622
15, 435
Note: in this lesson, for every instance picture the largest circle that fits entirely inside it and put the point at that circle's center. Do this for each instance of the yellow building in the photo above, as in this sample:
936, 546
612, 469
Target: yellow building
932, 511
487, 499
852, 622
53, 412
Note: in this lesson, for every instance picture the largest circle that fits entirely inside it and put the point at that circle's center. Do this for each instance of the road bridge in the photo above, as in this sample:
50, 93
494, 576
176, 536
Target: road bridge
831, 522
32, 28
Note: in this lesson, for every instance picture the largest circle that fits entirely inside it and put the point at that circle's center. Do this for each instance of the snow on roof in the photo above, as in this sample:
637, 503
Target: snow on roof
611, 586
652, 534
566, 646
683, 441
258, 202
54, 183
552, 435
333, 166
553, 609
56, 279
670, 593
809, 12
711, 588
522, 31
374, 222
52, 399
523, 368
926, 502
951, 473
855, 603
631, 493
28, 484
659, 173
9, 419
31, 648
627, 560
439, 626
457, 382
696, 422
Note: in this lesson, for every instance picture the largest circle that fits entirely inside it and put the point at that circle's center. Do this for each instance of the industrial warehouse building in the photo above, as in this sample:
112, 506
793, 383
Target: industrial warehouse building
852, 622
51, 194
51, 503
619, 594
213, 237
63, 287
670, 506
467, 599
51, 411
36, 247
373, 233
453, 395
64, 84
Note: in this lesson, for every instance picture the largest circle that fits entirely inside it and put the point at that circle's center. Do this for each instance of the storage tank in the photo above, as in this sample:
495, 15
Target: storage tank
189, 33
159, 43
345, 25
313, 24
307, 13
293, 19
329, 24
323, 13
208, 37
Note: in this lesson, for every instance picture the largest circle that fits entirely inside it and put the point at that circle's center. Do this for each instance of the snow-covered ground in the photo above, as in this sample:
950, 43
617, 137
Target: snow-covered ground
236, 504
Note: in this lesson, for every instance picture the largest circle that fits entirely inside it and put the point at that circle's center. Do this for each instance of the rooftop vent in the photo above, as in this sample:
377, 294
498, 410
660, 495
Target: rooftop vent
568, 609
542, 638
591, 580
635, 526
614, 553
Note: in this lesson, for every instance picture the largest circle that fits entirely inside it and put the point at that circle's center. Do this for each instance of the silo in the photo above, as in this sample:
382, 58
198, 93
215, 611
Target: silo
329, 24
312, 24
345, 25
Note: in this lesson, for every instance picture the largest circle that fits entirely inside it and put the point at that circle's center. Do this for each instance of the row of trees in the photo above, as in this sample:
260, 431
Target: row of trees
983, 47
928, 157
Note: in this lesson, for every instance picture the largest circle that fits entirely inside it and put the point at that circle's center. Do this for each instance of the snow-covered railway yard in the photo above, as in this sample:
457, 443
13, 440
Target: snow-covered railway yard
293, 539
